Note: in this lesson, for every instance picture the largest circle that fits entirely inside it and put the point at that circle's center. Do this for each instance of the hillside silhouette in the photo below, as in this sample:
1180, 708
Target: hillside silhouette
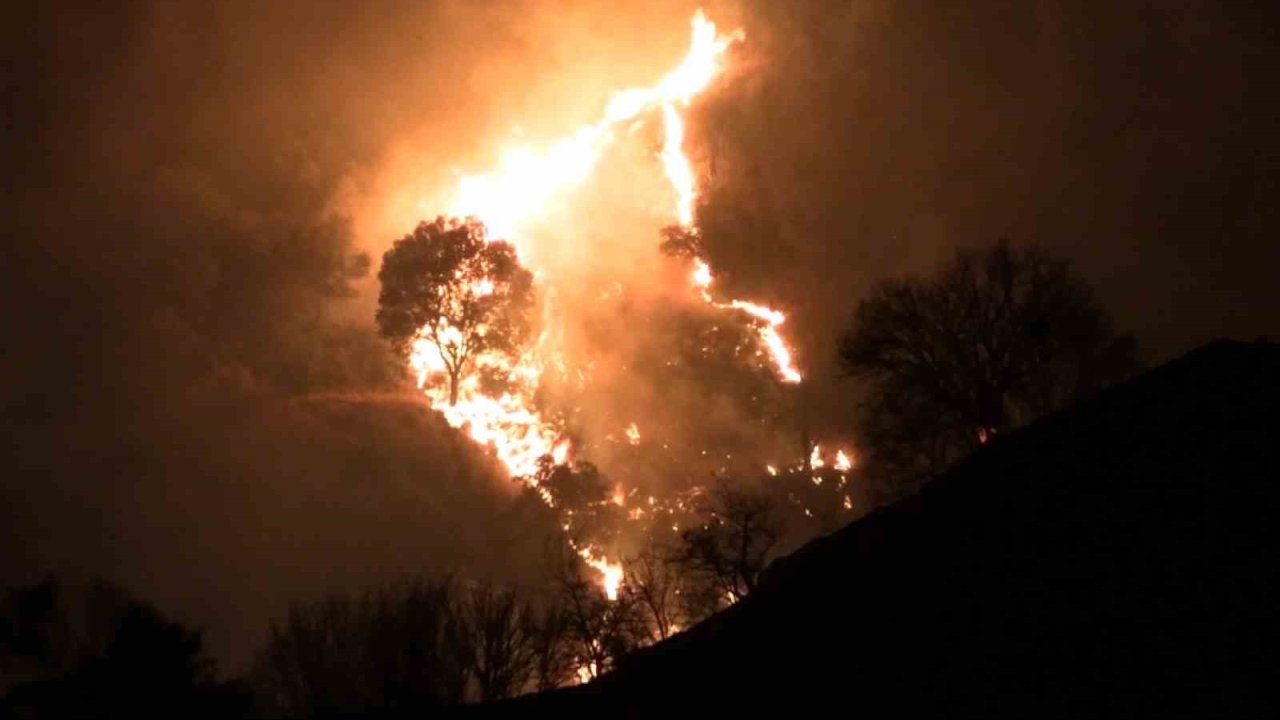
1114, 559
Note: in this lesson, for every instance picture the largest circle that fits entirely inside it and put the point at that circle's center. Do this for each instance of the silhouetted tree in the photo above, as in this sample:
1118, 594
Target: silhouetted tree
680, 241
458, 290
653, 583
584, 495
503, 639
553, 660
28, 625
399, 648
997, 337
725, 553
597, 631
123, 658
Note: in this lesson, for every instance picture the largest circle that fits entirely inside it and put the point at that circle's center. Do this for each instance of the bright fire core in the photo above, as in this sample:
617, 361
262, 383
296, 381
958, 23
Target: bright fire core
511, 198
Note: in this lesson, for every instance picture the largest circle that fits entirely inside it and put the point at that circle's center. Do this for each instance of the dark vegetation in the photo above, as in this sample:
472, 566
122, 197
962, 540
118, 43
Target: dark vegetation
996, 339
100, 653
1115, 559
425, 644
1068, 564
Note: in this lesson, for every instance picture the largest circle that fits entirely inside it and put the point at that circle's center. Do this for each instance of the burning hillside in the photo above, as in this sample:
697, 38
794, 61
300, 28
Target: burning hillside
534, 368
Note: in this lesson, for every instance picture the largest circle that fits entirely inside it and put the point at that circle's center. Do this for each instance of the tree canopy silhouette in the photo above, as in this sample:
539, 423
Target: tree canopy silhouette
398, 648
998, 337
102, 653
732, 541
447, 283
503, 635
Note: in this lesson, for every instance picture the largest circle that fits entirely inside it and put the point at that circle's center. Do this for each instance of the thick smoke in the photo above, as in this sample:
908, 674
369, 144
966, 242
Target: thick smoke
869, 138
194, 400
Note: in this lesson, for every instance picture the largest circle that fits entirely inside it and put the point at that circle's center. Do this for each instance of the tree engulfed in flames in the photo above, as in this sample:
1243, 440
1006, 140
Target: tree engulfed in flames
507, 201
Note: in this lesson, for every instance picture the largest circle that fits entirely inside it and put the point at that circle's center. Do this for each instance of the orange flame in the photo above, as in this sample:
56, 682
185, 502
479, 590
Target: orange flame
679, 170
517, 434
843, 462
522, 190
610, 572
767, 323
815, 458
527, 179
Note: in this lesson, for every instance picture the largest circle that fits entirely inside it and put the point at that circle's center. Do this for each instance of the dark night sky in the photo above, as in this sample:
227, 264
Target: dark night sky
182, 302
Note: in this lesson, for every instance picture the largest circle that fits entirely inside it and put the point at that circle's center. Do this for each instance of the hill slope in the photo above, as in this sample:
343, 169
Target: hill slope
1116, 559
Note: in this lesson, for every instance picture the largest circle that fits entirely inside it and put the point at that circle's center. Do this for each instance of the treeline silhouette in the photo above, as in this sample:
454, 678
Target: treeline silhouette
101, 653
995, 339
424, 644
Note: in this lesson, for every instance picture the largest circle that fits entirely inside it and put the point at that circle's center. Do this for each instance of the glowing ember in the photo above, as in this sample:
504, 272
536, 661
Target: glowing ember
633, 434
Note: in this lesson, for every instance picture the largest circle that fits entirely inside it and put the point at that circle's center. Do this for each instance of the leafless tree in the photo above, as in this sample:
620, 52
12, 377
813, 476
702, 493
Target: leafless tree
397, 648
652, 581
502, 630
597, 631
727, 552
553, 661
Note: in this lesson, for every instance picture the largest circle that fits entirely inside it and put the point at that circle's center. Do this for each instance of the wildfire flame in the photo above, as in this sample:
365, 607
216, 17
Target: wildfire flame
509, 200
766, 321
677, 166
843, 462
519, 191
815, 458
610, 572
518, 435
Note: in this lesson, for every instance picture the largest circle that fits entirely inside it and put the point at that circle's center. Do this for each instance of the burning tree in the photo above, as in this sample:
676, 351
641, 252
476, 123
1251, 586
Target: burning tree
464, 294
597, 631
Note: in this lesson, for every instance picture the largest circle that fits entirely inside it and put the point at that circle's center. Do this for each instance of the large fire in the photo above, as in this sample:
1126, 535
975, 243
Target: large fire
515, 195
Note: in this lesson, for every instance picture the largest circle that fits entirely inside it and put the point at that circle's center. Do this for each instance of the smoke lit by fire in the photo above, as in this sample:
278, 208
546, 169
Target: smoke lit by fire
511, 200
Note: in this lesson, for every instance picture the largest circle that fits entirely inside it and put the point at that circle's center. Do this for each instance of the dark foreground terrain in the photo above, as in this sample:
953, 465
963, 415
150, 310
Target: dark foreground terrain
1118, 559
